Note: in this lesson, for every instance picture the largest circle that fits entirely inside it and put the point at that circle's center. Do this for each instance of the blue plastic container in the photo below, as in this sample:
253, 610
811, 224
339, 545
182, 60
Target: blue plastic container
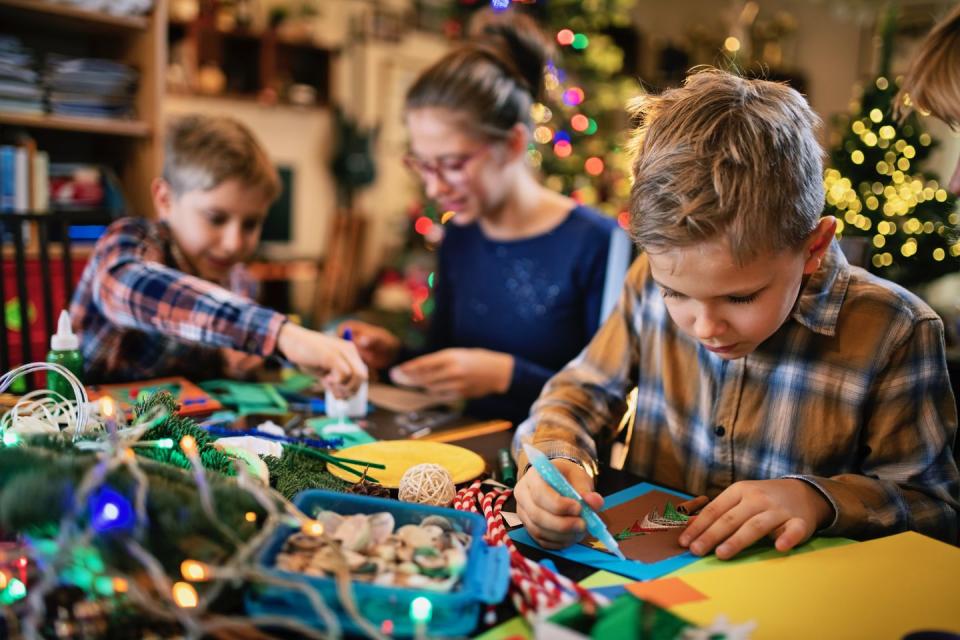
455, 613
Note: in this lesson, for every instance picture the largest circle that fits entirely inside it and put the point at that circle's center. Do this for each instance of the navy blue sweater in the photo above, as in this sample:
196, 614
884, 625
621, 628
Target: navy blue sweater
539, 299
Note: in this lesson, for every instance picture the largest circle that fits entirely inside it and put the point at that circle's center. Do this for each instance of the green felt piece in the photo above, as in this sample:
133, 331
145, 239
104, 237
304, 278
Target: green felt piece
626, 618
247, 397
295, 382
351, 432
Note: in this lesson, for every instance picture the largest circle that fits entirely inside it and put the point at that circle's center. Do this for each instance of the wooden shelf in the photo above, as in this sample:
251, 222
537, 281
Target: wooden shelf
127, 128
54, 14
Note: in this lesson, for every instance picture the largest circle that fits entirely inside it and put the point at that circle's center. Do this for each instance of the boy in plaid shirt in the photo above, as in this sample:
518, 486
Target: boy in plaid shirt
172, 297
800, 393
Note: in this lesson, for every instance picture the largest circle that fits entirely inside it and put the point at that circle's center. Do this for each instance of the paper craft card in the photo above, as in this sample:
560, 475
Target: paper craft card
659, 551
401, 400
623, 521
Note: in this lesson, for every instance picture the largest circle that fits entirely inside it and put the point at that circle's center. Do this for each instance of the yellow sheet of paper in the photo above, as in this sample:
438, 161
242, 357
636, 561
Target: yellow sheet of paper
399, 455
877, 589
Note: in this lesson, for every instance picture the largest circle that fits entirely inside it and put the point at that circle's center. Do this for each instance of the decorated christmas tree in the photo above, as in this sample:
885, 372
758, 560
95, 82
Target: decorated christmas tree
877, 188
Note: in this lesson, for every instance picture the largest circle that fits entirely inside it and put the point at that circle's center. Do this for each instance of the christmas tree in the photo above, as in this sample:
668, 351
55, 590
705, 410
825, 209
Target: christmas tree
877, 189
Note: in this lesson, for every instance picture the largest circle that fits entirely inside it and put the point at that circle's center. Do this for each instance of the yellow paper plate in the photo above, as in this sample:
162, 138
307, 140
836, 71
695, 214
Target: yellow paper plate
399, 455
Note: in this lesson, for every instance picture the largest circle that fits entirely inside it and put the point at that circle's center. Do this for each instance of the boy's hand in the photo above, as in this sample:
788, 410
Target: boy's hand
378, 347
552, 520
461, 373
335, 360
789, 510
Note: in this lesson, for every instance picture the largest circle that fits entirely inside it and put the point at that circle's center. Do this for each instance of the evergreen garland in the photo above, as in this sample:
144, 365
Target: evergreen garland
296, 472
38, 482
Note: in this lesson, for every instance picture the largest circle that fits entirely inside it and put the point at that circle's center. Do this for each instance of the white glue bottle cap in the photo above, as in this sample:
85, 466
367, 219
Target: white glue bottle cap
64, 339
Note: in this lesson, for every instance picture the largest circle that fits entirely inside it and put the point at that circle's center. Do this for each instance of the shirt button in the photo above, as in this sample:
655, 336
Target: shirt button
719, 430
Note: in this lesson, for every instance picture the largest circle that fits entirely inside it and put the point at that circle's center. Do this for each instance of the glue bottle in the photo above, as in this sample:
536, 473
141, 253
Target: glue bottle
65, 351
353, 407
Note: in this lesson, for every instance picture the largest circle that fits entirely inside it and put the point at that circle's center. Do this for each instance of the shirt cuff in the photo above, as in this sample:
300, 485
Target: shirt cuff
264, 342
818, 484
559, 449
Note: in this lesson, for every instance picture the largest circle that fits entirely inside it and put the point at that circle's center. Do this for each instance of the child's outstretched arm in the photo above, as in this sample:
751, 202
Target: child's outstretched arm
133, 289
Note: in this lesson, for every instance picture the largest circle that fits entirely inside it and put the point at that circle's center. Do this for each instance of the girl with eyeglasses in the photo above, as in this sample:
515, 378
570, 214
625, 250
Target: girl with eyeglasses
525, 275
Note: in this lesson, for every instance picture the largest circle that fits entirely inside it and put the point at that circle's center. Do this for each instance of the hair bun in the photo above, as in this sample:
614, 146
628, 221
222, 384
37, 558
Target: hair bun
516, 40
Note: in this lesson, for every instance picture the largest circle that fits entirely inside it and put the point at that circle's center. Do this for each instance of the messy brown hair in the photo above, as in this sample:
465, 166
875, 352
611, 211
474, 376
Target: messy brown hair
933, 82
202, 152
725, 157
489, 82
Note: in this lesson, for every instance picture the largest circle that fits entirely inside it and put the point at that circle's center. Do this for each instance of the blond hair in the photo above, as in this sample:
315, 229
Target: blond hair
202, 152
933, 82
725, 157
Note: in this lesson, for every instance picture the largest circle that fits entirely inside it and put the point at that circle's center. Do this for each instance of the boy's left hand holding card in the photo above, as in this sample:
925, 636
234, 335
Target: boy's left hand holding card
789, 510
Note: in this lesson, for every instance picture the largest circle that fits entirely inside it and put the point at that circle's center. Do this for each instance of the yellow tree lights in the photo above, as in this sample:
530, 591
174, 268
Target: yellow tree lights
877, 189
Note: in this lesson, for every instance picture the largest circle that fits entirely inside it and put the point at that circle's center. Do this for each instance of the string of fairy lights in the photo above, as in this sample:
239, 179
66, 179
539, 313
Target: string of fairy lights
97, 509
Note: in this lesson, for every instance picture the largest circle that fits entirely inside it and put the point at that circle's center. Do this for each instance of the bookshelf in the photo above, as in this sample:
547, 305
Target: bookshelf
252, 60
131, 147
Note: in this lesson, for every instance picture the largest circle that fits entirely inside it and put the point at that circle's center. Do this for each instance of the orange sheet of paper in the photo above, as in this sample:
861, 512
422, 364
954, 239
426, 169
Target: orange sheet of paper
666, 592
882, 588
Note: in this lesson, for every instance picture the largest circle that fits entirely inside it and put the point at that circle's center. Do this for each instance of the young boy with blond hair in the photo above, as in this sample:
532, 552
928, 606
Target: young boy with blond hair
803, 395
172, 297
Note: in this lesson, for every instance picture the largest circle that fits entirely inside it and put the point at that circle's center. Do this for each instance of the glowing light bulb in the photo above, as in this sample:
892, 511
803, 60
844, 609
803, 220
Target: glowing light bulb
107, 407
10, 439
731, 44
421, 610
120, 585
193, 570
185, 595
313, 528
565, 37
579, 122
250, 516
188, 444
593, 166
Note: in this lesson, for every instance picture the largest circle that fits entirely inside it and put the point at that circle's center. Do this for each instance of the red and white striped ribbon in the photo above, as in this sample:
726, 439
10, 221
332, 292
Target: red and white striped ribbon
533, 588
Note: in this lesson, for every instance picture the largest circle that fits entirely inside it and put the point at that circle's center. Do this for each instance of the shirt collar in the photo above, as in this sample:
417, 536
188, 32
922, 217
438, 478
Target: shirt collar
818, 306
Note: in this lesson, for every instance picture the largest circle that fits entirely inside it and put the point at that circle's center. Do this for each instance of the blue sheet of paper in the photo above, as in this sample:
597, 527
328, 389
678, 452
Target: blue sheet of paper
601, 560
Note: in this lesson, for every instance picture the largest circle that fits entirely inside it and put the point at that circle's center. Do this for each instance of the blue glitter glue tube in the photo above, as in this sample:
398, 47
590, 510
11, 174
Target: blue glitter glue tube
555, 479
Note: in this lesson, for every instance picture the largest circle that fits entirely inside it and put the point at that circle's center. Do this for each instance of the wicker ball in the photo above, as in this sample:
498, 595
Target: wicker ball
427, 484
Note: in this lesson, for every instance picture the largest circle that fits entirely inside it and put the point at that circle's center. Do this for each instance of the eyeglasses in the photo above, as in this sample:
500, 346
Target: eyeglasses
451, 168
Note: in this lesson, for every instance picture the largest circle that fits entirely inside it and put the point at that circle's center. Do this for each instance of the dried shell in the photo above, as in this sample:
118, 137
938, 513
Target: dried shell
437, 521
354, 532
330, 520
415, 536
381, 526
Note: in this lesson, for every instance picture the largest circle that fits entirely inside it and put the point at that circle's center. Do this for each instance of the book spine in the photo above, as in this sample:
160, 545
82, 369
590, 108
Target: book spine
7, 178
41, 182
21, 181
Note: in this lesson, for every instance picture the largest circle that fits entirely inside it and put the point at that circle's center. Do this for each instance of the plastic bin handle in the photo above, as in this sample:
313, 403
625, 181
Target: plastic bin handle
496, 563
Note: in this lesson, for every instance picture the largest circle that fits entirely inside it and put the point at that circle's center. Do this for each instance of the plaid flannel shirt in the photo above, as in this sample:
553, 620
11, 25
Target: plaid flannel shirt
140, 315
851, 394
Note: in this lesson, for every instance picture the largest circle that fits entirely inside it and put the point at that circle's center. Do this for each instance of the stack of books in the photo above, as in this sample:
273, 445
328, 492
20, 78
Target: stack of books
90, 87
20, 90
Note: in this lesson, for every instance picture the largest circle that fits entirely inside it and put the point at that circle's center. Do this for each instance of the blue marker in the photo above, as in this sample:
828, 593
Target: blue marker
555, 479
